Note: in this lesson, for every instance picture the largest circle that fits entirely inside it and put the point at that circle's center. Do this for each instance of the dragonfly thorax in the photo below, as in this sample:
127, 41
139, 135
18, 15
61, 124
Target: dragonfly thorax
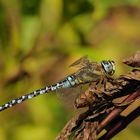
86, 75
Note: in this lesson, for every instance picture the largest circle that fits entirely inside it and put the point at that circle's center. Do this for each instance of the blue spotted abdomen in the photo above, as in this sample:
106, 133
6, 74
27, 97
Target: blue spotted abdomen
70, 81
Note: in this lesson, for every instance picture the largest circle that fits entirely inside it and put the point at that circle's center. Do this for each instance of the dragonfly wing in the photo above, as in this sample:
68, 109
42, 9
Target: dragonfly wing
69, 95
80, 62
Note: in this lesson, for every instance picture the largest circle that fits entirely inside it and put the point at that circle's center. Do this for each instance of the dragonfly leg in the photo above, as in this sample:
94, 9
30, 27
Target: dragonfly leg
101, 84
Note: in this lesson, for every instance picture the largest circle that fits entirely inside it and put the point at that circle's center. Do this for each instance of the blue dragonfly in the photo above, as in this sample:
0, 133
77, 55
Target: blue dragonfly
88, 72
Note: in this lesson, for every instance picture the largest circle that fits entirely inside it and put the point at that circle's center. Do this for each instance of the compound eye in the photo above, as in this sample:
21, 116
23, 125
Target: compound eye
109, 67
112, 65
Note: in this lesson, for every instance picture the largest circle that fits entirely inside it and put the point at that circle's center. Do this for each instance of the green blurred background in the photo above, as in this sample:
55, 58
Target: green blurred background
39, 39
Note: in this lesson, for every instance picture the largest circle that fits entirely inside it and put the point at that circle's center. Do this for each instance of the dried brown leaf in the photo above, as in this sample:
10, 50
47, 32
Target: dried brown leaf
133, 61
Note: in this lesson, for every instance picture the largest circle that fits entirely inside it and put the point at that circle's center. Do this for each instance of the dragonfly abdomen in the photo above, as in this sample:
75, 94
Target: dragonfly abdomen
30, 96
70, 81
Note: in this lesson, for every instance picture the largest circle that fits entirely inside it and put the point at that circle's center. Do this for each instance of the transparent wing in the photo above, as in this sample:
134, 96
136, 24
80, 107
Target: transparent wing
82, 62
69, 95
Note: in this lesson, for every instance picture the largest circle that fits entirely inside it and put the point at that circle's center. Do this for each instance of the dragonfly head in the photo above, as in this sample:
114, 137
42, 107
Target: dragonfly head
108, 66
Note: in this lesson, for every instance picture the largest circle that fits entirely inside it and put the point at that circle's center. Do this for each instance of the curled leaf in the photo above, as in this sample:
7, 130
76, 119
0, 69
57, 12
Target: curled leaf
133, 61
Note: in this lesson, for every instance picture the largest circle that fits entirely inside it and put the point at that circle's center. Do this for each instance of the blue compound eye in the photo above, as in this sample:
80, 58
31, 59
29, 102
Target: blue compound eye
108, 66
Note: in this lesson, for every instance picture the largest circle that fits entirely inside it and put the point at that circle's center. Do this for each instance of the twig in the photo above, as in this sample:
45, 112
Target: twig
122, 124
115, 113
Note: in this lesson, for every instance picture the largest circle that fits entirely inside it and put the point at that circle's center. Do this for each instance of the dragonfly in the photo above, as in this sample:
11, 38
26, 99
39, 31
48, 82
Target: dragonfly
88, 72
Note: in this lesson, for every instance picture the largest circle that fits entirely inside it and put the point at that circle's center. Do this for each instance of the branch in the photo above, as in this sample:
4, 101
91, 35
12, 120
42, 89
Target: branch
117, 110
122, 124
